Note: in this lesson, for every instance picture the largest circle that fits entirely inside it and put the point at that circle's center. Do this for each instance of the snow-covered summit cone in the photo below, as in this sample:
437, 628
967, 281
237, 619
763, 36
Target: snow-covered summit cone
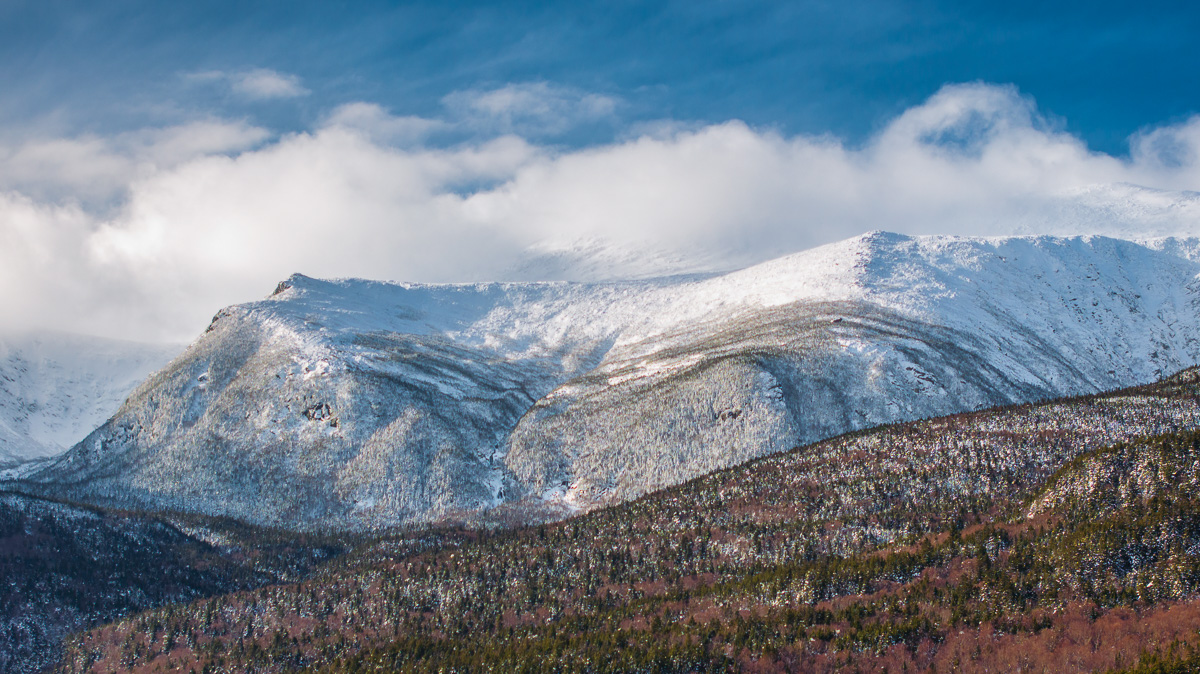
341, 403
362, 404
55, 388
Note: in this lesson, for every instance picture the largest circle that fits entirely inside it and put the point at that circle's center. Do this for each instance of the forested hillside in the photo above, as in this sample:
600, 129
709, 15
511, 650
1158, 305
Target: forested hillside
66, 568
1058, 536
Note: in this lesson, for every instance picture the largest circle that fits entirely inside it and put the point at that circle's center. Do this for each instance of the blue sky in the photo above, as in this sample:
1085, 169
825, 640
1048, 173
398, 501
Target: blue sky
1103, 70
159, 160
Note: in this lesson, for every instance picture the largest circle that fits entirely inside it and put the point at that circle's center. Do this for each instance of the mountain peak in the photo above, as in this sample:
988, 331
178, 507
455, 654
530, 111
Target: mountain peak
883, 237
296, 279
363, 404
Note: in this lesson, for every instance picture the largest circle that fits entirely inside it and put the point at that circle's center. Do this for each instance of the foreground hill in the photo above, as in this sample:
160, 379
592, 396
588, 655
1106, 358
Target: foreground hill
1058, 537
56, 388
360, 405
66, 568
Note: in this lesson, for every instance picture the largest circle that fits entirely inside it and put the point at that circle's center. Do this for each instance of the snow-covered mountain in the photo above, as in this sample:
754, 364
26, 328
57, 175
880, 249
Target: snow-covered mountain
364, 404
56, 388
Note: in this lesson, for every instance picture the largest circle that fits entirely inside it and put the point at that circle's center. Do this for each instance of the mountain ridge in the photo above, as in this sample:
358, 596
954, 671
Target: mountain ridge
365, 404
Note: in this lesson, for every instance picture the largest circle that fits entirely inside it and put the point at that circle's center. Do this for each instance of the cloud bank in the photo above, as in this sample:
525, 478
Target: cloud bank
145, 235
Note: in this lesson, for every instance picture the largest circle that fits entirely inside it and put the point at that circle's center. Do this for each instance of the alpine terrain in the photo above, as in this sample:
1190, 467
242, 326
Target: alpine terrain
56, 388
360, 405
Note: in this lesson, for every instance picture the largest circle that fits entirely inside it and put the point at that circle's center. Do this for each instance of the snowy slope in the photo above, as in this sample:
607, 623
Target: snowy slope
363, 404
56, 388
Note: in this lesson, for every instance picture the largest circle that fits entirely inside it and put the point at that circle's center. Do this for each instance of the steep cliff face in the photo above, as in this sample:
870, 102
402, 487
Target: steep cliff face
360, 404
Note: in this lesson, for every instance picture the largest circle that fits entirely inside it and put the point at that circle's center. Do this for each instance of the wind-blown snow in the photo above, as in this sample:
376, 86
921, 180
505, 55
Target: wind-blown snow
56, 388
363, 404
1119, 210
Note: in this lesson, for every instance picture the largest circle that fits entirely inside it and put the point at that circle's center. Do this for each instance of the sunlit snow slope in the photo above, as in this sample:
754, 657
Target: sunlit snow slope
361, 404
56, 388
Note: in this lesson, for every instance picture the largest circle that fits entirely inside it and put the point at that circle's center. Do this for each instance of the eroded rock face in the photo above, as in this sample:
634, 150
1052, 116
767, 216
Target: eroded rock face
355, 404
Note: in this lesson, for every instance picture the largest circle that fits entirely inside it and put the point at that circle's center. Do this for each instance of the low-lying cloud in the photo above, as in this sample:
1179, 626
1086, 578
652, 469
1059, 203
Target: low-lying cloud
145, 236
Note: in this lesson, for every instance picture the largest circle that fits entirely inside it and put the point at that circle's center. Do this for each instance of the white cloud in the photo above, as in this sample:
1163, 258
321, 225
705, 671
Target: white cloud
263, 83
380, 126
530, 109
1170, 154
94, 169
171, 146
255, 84
213, 213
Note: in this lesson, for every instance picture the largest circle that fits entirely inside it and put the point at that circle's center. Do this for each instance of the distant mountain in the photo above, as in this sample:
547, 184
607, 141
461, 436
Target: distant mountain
56, 388
597, 259
1118, 210
356, 404
1121, 210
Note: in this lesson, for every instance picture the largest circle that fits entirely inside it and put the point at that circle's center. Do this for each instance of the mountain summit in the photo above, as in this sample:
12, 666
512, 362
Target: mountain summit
363, 404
